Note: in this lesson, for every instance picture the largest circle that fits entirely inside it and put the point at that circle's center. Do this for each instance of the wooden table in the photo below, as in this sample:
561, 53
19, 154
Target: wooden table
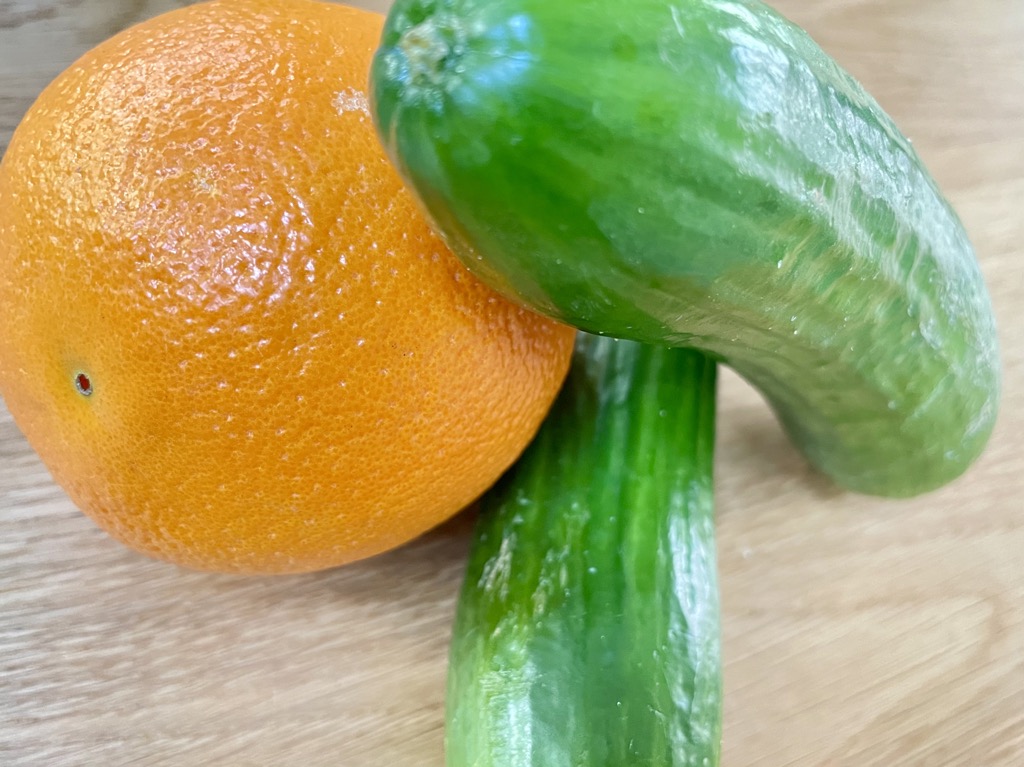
856, 631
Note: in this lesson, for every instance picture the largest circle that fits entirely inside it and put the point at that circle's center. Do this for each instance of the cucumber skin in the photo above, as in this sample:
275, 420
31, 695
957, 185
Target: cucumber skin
700, 173
587, 630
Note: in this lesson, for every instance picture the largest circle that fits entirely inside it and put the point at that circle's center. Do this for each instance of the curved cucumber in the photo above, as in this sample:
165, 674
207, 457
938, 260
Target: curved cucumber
699, 172
587, 631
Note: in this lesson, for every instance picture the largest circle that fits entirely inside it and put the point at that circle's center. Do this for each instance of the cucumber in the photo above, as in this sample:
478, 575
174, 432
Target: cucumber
699, 173
587, 630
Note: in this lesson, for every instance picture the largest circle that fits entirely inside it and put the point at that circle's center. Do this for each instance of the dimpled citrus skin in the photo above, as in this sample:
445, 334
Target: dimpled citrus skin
226, 328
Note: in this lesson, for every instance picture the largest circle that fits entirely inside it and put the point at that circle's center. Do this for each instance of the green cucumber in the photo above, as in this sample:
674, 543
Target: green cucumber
700, 173
587, 632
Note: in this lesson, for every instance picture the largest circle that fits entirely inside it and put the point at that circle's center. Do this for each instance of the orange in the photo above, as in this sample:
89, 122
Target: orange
224, 325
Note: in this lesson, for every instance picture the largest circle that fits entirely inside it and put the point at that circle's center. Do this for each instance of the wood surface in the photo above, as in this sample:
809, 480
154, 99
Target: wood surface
857, 632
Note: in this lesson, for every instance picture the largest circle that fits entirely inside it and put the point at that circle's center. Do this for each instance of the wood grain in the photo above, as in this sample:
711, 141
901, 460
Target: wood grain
857, 632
